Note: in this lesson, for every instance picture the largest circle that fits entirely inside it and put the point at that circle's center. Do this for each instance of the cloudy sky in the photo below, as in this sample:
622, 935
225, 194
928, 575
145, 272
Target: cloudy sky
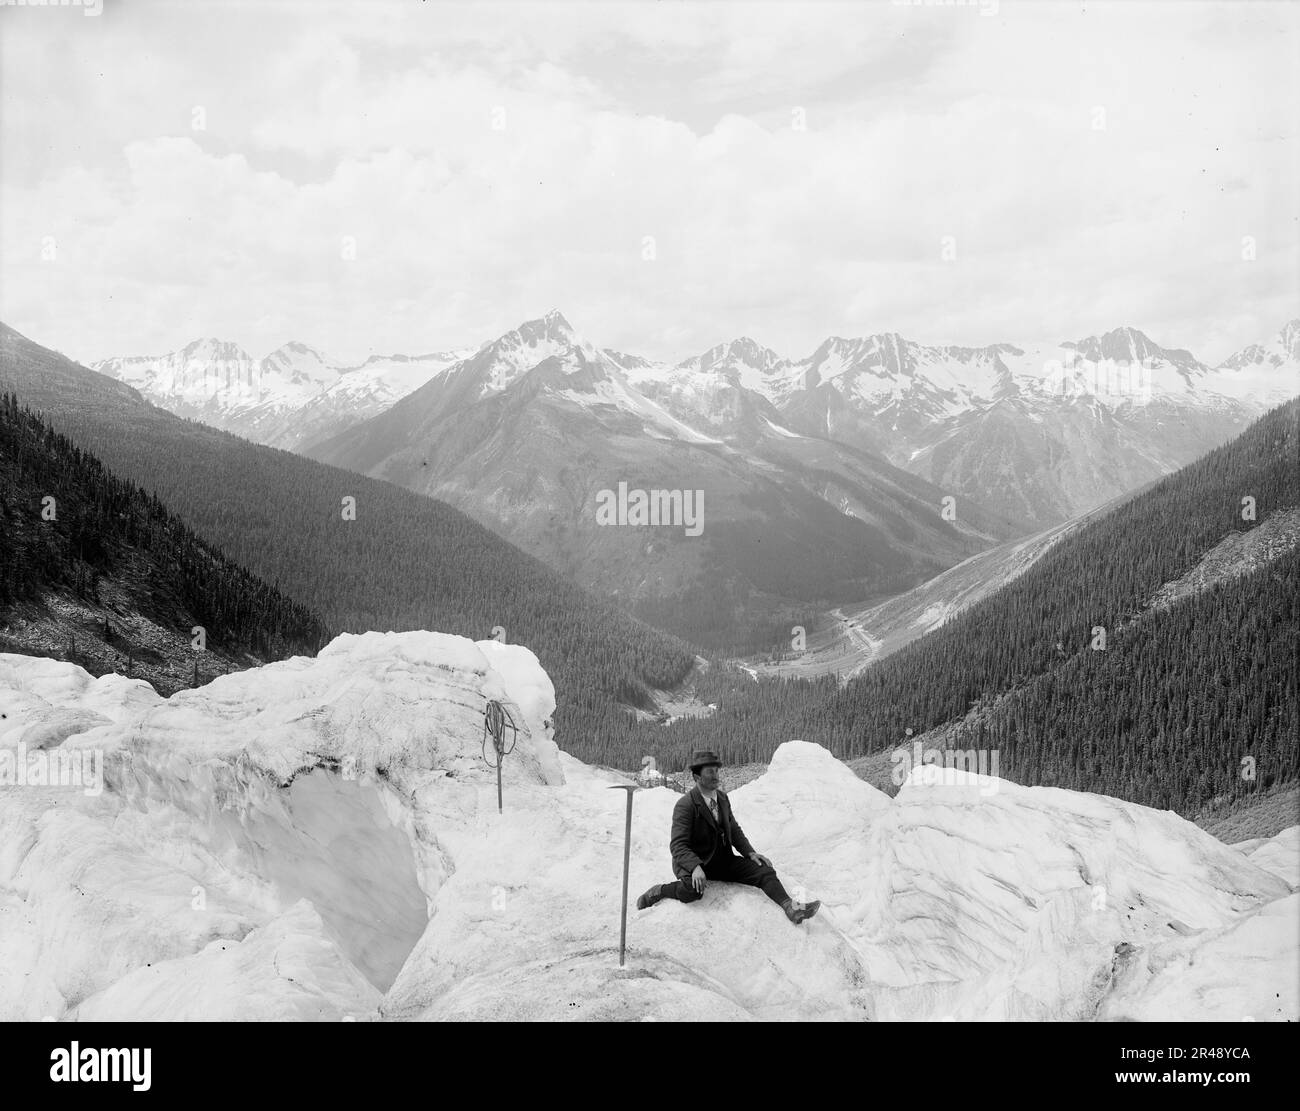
407, 176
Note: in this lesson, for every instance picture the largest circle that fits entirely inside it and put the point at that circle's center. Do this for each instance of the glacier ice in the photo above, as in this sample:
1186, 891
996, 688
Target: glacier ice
319, 839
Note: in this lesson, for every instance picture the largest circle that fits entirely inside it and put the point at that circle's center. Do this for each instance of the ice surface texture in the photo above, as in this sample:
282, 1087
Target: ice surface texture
319, 839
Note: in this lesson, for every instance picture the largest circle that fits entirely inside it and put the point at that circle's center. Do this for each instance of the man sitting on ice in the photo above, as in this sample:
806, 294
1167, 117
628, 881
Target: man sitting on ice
704, 831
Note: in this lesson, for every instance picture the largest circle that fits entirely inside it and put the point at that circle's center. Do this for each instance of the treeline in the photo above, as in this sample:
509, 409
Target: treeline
99, 527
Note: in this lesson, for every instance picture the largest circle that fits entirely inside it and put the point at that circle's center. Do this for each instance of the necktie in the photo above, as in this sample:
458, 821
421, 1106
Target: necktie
713, 805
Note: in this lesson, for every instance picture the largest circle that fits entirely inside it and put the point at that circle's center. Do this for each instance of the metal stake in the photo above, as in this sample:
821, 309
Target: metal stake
496, 720
627, 857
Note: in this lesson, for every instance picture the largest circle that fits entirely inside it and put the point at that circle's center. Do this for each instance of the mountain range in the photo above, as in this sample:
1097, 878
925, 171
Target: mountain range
293, 395
1039, 435
1036, 434
824, 480
526, 435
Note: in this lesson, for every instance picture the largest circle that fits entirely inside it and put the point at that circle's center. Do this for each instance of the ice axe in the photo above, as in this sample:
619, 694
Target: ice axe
627, 856
496, 720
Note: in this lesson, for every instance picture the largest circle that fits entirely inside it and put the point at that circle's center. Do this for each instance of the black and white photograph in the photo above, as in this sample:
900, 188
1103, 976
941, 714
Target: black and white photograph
650, 511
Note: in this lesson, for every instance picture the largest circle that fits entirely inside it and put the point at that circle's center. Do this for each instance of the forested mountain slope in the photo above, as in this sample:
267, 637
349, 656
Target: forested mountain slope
95, 570
1167, 708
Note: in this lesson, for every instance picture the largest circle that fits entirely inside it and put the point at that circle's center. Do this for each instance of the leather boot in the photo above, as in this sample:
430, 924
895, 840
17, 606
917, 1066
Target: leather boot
649, 897
797, 912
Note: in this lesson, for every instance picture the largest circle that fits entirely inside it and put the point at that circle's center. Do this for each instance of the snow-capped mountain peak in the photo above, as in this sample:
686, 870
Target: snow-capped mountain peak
296, 352
742, 353
503, 361
211, 347
882, 356
1267, 372
551, 328
742, 363
300, 364
887, 372
1282, 348
534, 340
200, 370
294, 393
1129, 345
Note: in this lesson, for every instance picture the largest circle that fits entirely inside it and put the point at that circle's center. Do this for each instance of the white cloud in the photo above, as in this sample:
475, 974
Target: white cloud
672, 122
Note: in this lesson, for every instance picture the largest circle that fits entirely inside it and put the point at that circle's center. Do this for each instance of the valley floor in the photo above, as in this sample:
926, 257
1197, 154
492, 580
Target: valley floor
852, 638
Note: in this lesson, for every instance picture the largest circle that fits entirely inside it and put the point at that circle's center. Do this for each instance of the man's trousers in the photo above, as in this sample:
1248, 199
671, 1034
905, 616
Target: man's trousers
729, 868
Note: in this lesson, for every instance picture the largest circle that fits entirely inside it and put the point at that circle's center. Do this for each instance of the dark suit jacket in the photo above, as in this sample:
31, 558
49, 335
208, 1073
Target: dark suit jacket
696, 836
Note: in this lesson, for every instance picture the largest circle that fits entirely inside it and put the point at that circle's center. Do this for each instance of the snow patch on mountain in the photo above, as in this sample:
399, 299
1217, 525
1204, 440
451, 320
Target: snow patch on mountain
658, 422
782, 431
881, 371
509, 357
363, 391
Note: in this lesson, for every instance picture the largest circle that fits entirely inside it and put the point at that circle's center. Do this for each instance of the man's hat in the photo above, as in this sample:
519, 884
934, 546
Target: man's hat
704, 756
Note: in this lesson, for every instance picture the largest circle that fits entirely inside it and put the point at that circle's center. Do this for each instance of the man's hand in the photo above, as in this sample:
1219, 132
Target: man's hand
759, 858
698, 880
